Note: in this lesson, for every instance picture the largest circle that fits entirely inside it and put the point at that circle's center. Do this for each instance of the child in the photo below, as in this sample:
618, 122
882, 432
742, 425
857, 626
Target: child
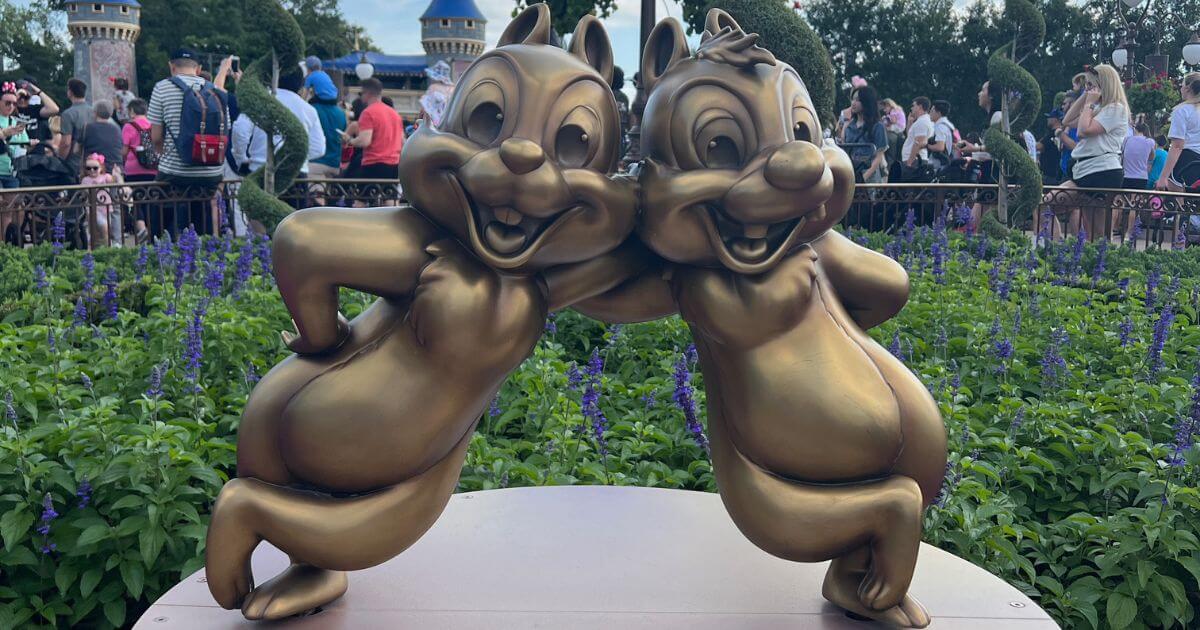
106, 222
121, 100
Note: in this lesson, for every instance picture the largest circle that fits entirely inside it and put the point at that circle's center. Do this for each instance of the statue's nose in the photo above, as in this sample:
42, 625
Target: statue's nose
521, 156
795, 166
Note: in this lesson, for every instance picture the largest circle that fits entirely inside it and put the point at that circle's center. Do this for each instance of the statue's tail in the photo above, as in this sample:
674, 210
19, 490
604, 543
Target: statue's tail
341, 534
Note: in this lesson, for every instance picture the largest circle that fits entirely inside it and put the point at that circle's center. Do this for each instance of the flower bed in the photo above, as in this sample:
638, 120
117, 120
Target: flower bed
1067, 376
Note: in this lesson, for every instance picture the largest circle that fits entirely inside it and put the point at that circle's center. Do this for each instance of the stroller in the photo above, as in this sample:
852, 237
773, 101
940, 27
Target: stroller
41, 168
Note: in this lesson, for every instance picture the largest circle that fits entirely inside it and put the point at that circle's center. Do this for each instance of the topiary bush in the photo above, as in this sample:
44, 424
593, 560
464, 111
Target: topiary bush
16, 272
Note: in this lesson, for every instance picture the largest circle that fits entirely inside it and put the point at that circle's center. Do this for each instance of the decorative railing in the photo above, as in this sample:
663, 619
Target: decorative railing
879, 207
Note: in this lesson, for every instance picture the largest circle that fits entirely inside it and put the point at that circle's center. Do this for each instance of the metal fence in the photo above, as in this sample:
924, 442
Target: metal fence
104, 215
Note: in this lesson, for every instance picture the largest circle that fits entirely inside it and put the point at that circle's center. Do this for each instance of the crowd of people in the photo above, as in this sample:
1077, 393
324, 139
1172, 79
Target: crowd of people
1093, 140
190, 135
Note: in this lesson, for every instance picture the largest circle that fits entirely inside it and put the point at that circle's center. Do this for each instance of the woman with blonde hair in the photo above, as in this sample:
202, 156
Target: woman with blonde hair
1101, 115
1183, 157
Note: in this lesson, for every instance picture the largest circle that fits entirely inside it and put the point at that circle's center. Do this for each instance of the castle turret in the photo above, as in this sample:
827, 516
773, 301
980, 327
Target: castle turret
104, 32
452, 30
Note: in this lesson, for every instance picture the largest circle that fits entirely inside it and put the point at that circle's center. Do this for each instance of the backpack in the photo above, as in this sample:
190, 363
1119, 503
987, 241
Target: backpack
147, 157
202, 135
942, 159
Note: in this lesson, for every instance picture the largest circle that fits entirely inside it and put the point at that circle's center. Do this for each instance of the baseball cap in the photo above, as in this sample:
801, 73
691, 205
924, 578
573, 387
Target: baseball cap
185, 53
312, 62
1056, 113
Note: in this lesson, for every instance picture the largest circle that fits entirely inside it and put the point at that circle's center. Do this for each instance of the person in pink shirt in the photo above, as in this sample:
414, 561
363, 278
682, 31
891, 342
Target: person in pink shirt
105, 221
896, 121
140, 160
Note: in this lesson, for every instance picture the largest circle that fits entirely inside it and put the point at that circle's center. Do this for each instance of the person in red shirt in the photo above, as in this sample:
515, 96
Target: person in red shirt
380, 135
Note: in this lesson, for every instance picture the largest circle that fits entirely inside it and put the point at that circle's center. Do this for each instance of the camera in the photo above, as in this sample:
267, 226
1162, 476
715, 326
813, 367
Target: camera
235, 64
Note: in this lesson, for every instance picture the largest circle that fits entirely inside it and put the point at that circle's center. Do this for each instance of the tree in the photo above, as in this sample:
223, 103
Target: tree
786, 35
33, 44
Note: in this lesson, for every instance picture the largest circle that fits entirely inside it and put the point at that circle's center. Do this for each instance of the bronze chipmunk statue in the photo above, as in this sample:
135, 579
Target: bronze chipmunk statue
349, 451
824, 445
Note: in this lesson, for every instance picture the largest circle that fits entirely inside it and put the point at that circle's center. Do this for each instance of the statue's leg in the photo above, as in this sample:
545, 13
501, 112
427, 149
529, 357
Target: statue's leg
322, 534
876, 525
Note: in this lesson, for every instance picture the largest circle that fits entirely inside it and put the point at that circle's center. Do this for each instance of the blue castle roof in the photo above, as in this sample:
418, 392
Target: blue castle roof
384, 64
461, 9
132, 3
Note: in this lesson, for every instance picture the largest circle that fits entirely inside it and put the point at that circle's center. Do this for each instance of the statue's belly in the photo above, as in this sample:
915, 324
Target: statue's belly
809, 405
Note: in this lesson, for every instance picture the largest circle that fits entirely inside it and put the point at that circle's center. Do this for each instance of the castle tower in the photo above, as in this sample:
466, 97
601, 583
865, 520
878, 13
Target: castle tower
104, 32
452, 30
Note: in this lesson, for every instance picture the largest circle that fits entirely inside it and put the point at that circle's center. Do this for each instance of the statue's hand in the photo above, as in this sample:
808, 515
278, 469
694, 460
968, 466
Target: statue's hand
302, 345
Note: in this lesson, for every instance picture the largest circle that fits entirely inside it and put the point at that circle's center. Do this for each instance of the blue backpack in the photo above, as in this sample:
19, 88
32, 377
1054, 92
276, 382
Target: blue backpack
202, 136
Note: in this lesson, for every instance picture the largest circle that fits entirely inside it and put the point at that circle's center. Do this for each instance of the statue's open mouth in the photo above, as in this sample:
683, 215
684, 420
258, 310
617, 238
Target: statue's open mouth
750, 248
502, 235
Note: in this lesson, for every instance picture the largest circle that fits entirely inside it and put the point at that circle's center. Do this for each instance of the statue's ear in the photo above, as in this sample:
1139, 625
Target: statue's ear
665, 46
717, 20
532, 26
590, 43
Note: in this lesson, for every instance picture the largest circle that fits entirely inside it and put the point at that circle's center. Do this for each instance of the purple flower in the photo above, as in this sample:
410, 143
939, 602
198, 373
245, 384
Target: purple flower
164, 253
574, 376
1053, 364
1137, 232
981, 246
48, 515
1017, 421
650, 400
243, 267
1151, 289
955, 378
949, 482
84, 492
155, 388
252, 377
1002, 349
86, 381
1162, 330
264, 255
494, 408
895, 348
551, 326
189, 244
110, 293
595, 365
51, 341
1187, 428
1017, 322
691, 355
684, 399
962, 216
139, 266
1077, 254
58, 233
939, 262
1043, 237
39, 278
88, 262
1126, 331
909, 231
193, 354
80, 315
214, 280
1123, 286
10, 412
1180, 240
942, 340
1101, 259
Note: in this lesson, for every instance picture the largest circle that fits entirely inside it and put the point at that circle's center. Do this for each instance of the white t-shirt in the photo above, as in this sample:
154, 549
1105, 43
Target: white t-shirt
1104, 149
1185, 125
923, 127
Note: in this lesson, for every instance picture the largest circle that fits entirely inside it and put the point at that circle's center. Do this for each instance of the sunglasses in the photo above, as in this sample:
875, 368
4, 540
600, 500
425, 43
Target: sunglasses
93, 168
1090, 70
6, 102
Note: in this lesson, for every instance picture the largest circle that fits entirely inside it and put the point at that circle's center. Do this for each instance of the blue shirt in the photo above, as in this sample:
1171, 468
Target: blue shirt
1066, 155
333, 119
322, 86
1160, 161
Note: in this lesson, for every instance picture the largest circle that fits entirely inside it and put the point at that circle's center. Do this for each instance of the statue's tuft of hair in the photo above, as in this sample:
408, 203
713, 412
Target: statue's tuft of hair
734, 47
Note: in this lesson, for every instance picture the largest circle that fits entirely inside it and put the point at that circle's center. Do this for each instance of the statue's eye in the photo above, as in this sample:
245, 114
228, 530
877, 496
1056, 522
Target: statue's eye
571, 145
720, 144
485, 123
803, 126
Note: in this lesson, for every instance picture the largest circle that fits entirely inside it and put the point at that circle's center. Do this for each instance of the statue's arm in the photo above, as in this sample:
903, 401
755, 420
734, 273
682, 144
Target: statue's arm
316, 251
642, 298
624, 285
871, 286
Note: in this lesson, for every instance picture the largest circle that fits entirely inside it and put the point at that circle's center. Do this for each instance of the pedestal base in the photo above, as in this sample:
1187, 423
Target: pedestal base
601, 557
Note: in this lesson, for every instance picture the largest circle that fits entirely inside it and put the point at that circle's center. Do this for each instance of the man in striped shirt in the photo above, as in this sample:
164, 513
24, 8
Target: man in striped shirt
197, 183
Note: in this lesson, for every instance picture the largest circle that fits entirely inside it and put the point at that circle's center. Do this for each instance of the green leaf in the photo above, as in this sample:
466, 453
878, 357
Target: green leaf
1121, 610
14, 525
93, 534
114, 611
1192, 564
134, 575
64, 576
88, 582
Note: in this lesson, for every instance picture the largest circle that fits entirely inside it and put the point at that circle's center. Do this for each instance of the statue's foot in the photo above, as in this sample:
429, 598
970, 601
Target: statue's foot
842, 588
300, 588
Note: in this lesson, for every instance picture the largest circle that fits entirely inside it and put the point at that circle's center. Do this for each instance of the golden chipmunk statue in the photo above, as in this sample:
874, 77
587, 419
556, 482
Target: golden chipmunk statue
824, 445
349, 451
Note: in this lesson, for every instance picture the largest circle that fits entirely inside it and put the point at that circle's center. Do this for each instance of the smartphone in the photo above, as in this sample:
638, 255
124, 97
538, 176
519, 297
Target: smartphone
23, 84
236, 64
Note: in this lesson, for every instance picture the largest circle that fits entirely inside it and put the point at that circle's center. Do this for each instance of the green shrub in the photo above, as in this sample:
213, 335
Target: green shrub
16, 274
1065, 479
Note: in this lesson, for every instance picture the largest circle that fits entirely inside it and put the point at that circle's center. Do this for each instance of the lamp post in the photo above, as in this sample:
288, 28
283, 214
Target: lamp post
634, 153
1123, 56
364, 70
1191, 50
